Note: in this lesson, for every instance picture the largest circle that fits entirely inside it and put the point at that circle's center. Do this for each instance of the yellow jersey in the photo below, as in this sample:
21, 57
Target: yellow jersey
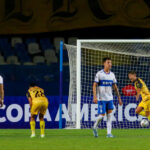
36, 93
144, 91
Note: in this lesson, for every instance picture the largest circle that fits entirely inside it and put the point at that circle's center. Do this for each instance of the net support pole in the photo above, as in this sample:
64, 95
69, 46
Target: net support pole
61, 85
78, 69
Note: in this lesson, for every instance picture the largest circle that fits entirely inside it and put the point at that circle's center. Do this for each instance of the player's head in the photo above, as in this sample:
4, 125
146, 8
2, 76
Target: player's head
107, 63
132, 75
32, 84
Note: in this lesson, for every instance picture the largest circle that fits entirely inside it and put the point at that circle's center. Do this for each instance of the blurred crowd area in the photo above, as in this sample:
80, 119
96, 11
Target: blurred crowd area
26, 60
32, 51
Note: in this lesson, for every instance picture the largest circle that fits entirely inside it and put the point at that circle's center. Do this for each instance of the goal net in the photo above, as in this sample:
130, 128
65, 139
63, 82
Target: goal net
85, 60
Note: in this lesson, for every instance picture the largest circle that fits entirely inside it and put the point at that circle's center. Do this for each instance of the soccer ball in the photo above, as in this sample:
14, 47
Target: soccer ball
144, 123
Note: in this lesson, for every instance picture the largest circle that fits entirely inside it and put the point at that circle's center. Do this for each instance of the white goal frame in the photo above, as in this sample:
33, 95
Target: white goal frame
78, 69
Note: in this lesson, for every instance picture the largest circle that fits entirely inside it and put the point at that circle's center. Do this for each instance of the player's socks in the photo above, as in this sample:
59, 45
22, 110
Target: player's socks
142, 113
99, 118
42, 127
109, 126
32, 126
95, 132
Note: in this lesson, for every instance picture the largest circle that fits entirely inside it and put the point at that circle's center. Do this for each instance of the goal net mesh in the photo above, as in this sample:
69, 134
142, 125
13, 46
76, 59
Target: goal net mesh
125, 57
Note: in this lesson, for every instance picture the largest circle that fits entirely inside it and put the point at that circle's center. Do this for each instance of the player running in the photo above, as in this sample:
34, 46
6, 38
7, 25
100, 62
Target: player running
1, 92
144, 106
38, 105
102, 93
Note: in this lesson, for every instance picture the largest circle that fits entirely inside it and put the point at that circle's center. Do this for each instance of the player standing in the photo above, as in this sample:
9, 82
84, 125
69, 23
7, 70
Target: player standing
144, 106
38, 105
1, 92
102, 93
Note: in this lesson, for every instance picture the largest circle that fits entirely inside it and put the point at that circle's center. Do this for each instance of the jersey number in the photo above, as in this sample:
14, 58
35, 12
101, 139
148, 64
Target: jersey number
39, 94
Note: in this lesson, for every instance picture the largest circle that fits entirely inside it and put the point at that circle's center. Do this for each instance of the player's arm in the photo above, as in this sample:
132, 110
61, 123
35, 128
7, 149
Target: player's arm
95, 84
29, 99
137, 94
1, 95
94, 92
117, 93
139, 86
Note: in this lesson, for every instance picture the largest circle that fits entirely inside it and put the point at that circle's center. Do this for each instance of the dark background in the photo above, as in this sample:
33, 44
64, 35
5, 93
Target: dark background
18, 77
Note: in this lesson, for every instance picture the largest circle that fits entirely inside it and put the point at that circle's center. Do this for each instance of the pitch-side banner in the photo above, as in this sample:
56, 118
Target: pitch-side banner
35, 16
16, 113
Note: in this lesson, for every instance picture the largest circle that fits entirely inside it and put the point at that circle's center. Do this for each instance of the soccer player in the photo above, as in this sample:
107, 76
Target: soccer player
102, 94
144, 106
38, 105
1, 92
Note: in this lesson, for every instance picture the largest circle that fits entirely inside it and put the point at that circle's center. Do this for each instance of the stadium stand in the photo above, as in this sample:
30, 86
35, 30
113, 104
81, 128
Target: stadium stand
25, 60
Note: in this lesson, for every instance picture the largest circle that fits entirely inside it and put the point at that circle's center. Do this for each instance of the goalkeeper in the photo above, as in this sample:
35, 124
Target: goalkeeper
141, 89
102, 94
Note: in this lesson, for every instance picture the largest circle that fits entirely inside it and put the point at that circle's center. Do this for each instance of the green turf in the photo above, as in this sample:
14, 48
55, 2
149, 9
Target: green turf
75, 140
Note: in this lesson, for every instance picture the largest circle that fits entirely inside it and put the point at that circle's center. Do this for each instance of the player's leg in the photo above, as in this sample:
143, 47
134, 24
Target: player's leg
147, 113
147, 109
34, 112
42, 125
109, 123
140, 109
43, 109
101, 114
109, 108
32, 125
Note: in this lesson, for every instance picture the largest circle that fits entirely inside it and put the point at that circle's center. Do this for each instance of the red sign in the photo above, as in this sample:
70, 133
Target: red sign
129, 90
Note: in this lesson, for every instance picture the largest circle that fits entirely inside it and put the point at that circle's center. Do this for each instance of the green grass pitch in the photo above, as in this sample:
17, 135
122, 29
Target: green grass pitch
126, 139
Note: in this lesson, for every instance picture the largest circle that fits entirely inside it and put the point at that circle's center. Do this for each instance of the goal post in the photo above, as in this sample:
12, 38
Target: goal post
85, 60
78, 83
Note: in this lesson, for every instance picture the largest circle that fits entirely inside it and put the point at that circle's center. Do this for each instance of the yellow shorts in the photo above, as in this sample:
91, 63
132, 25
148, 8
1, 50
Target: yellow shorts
145, 105
39, 106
